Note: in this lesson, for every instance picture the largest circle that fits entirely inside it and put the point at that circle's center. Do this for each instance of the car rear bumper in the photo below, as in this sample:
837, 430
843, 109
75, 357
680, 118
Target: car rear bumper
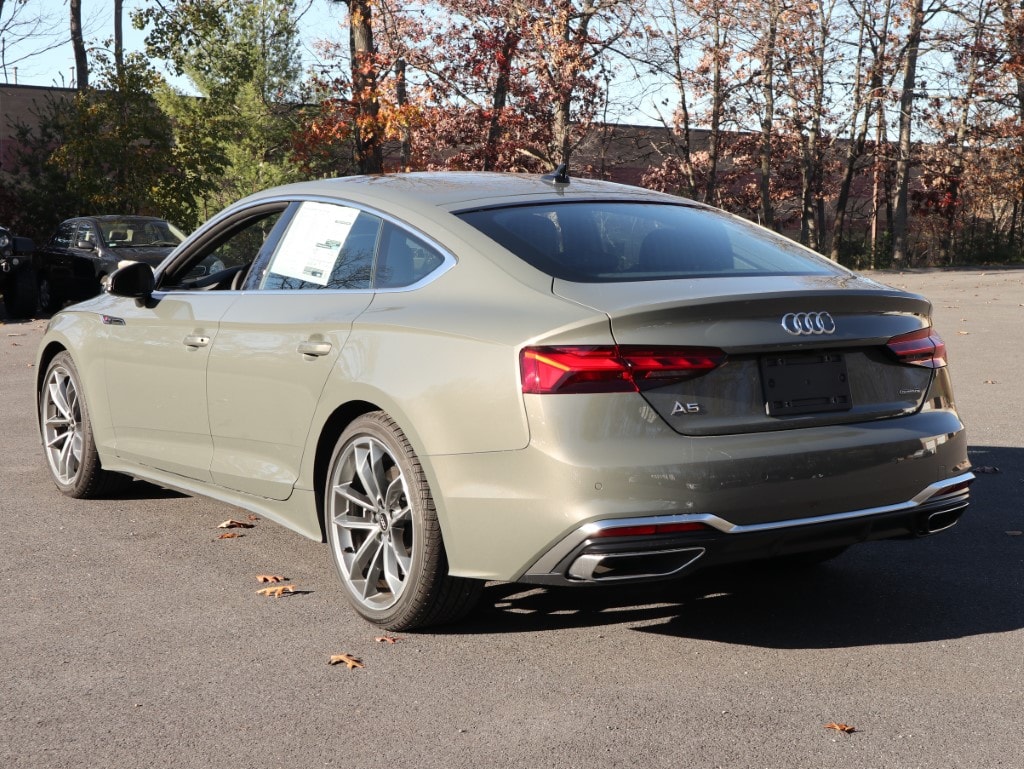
594, 459
590, 555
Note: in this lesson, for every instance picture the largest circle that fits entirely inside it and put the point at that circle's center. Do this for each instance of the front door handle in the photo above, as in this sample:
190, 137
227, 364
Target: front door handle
314, 348
197, 340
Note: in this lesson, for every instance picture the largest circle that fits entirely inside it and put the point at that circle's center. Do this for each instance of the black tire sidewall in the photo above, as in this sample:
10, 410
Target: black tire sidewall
423, 571
89, 466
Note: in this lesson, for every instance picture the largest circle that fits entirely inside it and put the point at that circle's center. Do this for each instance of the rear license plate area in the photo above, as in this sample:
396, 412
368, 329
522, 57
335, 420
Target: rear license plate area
805, 383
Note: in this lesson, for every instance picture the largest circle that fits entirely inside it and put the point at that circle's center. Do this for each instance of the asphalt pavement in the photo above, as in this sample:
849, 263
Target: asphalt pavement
131, 636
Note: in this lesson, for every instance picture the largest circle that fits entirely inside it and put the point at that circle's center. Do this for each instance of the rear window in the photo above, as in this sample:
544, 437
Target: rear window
592, 242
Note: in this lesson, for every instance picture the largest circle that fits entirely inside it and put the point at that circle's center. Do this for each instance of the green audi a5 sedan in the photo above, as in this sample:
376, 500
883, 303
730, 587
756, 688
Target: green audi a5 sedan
458, 377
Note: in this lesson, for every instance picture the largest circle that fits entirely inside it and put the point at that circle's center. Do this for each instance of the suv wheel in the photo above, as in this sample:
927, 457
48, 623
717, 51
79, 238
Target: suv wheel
21, 296
49, 299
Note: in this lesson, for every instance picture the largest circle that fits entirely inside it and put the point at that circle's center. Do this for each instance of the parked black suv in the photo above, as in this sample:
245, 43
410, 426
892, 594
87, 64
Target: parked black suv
17, 279
85, 250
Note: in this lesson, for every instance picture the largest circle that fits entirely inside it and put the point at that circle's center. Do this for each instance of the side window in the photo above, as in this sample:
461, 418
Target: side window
326, 246
224, 263
85, 234
403, 259
65, 233
243, 246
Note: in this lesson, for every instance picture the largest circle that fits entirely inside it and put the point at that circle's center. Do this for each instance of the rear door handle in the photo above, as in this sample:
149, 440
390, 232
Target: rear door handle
314, 348
196, 340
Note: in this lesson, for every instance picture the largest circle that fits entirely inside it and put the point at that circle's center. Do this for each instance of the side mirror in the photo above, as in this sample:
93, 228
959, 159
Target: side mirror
134, 281
86, 245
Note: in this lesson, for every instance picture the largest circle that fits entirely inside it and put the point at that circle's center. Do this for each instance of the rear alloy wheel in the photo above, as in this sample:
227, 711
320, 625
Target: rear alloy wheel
67, 434
49, 300
383, 531
20, 299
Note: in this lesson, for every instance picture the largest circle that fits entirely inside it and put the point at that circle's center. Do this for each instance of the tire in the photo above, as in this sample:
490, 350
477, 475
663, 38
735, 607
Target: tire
21, 297
68, 441
383, 532
50, 299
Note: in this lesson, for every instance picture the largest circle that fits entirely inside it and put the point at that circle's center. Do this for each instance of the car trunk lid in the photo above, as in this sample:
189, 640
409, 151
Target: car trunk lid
802, 350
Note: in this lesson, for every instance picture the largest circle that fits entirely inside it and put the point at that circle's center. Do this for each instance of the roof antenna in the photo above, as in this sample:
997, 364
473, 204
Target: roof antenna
560, 175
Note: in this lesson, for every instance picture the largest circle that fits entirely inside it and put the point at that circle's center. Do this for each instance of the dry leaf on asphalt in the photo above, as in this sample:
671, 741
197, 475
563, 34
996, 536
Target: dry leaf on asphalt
346, 659
270, 578
231, 523
991, 381
252, 517
228, 535
278, 591
845, 728
386, 639
986, 470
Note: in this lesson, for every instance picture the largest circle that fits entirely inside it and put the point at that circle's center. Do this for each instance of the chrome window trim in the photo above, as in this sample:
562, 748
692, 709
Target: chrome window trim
550, 560
449, 258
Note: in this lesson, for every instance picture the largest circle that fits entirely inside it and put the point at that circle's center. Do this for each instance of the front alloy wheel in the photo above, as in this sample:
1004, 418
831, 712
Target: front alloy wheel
67, 434
383, 531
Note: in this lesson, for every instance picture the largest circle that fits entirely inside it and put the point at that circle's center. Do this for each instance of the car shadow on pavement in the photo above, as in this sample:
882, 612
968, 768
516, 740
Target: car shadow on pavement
964, 582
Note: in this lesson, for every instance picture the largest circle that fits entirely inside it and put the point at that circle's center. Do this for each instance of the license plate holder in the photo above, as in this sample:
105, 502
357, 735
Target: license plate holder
805, 383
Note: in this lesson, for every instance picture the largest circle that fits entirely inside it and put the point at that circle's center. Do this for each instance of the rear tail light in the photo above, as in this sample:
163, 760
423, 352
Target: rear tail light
920, 348
608, 369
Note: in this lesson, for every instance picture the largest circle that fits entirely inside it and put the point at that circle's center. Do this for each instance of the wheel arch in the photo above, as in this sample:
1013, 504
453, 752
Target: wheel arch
46, 355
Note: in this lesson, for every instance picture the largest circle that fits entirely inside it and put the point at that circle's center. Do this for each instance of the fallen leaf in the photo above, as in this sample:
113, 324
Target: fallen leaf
348, 660
15, 335
991, 381
270, 578
228, 535
986, 470
277, 592
845, 728
252, 517
386, 639
231, 523
964, 333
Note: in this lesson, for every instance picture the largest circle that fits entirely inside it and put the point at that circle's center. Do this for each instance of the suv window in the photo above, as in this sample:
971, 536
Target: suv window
64, 235
85, 233
325, 246
624, 241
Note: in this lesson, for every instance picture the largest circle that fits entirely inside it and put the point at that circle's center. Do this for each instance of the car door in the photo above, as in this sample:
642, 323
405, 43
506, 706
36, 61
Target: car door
158, 351
54, 260
279, 341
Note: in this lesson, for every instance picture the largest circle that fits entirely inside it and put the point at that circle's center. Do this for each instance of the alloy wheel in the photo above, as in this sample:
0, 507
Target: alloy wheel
371, 522
62, 425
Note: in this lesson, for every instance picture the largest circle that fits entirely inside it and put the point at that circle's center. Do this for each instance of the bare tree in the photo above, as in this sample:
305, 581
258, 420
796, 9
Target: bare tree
78, 44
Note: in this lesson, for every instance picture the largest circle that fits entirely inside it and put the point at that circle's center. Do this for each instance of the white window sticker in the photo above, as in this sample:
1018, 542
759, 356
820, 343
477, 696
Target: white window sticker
315, 237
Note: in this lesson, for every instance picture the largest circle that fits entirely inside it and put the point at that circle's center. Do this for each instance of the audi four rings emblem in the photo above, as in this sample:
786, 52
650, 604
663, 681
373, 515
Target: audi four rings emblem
801, 323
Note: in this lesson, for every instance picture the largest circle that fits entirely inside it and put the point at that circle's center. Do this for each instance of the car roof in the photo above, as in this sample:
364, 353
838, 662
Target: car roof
457, 190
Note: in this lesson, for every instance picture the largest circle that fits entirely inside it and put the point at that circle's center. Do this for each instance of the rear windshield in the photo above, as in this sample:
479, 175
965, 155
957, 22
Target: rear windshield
592, 242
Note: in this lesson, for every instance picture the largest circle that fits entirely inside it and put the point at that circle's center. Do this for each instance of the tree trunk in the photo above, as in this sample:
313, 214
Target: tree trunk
768, 116
119, 38
717, 107
369, 153
402, 98
500, 99
906, 124
78, 44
